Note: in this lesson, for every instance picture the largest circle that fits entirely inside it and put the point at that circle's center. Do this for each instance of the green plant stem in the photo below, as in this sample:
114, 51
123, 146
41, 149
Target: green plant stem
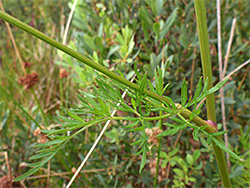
207, 73
185, 112
39, 106
158, 154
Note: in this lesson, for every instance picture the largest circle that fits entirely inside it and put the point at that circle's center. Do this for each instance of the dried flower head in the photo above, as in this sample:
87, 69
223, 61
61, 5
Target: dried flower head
27, 64
161, 171
152, 133
5, 182
63, 73
42, 138
29, 80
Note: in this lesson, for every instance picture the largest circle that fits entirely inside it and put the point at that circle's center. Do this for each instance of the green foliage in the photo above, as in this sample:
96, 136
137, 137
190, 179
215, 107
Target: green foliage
159, 38
98, 107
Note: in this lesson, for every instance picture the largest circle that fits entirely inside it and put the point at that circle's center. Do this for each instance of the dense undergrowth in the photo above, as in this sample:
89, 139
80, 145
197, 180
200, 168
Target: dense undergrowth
118, 34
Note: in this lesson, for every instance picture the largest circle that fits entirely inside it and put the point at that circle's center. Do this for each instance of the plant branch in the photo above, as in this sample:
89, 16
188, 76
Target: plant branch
207, 72
238, 68
186, 113
95, 143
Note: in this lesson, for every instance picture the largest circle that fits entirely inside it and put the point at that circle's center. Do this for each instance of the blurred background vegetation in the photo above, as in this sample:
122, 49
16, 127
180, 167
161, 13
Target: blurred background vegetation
117, 34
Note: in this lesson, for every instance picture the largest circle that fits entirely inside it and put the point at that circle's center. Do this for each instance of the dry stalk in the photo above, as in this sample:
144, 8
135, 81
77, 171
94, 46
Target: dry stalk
229, 46
221, 78
14, 42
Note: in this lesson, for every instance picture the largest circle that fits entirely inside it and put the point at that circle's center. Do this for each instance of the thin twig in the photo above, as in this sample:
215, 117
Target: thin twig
219, 38
69, 21
13, 42
229, 46
243, 79
68, 173
96, 142
227, 77
221, 78
7, 163
238, 68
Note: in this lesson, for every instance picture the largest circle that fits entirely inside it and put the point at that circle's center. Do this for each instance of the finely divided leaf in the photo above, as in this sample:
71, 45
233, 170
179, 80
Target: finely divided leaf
76, 117
131, 124
216, 87
27, 174
168, 132
218, 133
41, 155
144, 157
223, 147
53, 142
198, 89
103, 105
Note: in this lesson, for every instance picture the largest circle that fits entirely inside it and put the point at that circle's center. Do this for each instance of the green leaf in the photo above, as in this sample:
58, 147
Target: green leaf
198, 89
184, 41
89, 98
156, 28
209, 140
69, 121
141, 128
203, 94
183, 92
173, 152
144, 157
195, 134
178, 120
164, 89
179, 173
104, 106
223, 147
50, 132
76, 117
41, 155
27, 174
136, 142
157, 109
216, 87
237, 172
124, 108
190, 159
171, 102
48, 149
133, 103
143, 84
145, 16
168, 132
180, 127
53, 142
168, 24
151, 86
218, 133
136, 71
131, 124
196, 155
